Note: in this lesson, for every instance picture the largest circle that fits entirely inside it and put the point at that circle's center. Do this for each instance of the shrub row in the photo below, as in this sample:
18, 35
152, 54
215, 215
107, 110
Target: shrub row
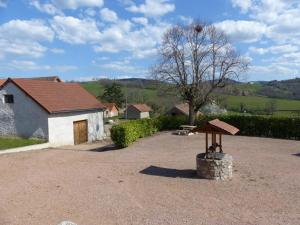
261, 126
128, 132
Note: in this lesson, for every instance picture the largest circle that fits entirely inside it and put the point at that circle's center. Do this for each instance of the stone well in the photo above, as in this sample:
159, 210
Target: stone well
216, 166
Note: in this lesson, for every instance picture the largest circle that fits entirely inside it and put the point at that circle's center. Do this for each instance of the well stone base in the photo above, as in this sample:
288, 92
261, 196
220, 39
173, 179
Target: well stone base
218, 167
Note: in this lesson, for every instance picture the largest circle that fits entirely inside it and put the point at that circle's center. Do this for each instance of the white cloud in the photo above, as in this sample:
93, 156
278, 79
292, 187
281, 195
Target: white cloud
75, 4
124, 66
90, 12
278, 49
282, 17
46, 8
22, 37
27, 65
186, 19
271, 71
244, 5
124, 36
108, 15
153, 8
243, 30
140, 20
75, 31
92, 78
3, 3
35, 30
57, 51
21, 48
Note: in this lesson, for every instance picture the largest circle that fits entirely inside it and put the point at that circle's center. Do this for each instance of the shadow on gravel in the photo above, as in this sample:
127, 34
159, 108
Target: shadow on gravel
167, 172
297, 154
105, 148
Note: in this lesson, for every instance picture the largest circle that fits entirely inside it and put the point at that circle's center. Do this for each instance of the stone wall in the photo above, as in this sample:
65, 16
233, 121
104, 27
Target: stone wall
215, 169
23, 118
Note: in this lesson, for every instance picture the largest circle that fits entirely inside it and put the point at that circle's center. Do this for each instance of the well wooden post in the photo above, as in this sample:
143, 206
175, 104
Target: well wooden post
220, 142
206, 142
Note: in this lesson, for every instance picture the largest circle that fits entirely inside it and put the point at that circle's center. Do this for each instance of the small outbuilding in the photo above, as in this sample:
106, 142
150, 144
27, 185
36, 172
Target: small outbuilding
137, 111
111, 110
62, 113
180, 110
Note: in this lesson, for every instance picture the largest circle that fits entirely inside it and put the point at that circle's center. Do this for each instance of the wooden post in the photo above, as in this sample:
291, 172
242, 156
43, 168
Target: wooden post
213, 136
220, 142
206, 142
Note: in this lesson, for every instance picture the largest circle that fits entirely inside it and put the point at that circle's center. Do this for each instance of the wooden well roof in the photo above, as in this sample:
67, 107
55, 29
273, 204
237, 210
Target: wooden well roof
218, 126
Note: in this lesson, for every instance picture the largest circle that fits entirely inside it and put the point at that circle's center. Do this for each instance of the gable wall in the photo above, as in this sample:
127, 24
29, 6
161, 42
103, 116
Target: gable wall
61, 130
24, 118
132, 113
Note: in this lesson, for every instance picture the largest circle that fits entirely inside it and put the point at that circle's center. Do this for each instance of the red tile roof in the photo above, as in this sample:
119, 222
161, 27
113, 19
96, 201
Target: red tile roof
141, 107
2, 81
57, 97
183, 107
109, 106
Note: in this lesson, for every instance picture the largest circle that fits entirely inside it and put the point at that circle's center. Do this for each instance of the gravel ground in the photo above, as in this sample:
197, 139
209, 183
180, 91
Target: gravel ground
151, 182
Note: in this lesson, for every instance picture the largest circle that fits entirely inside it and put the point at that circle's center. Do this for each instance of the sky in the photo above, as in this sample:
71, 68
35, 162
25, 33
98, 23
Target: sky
91, 39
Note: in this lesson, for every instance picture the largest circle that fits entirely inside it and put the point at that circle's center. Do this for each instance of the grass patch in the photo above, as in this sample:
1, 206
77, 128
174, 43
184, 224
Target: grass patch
256, 103
6, 143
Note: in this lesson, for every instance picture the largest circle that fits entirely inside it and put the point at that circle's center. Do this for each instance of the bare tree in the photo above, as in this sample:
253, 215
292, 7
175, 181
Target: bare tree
197, 58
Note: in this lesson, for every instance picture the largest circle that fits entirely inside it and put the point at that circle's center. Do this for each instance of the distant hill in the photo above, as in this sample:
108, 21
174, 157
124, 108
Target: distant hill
252, 97
286, 89
289, 89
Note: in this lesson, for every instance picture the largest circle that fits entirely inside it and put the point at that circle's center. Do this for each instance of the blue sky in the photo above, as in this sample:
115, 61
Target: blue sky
90, 39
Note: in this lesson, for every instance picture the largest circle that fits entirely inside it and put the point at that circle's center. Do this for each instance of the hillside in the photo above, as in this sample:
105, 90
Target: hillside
254, 97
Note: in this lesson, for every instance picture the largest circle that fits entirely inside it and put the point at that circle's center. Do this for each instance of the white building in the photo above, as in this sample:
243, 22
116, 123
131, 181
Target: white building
111, 110
62, 113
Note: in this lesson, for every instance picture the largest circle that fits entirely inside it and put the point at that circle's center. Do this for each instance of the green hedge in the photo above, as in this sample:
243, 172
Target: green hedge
128, 132
261, 126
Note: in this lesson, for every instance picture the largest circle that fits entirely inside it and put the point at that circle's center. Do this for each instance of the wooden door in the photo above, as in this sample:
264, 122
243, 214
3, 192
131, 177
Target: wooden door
80, 132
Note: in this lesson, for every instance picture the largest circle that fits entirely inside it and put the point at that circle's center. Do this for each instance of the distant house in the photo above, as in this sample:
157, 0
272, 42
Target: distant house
111, 110
62, 113
183, 109
137, 111
180, 110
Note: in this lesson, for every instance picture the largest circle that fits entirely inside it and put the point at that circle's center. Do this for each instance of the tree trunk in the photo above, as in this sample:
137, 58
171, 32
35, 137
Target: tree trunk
192, 114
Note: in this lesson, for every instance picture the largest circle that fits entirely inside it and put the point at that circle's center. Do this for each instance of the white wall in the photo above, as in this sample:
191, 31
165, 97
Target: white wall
109, 114
144, 115
61, 127
24, 117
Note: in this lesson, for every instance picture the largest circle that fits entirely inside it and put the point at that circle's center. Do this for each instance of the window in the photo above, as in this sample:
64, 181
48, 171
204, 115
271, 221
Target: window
8, 98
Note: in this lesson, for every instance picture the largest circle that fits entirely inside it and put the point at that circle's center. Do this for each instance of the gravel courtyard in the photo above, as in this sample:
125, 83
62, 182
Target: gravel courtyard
151, 182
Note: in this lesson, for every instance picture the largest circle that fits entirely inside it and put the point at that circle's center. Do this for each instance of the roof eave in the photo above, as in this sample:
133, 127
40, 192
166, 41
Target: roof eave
76, 110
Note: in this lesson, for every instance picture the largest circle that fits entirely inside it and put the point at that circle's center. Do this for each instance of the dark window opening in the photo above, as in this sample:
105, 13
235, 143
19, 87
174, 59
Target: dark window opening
8, 98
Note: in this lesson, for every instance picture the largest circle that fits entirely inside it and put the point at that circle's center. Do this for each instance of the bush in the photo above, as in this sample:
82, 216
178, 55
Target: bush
128, 132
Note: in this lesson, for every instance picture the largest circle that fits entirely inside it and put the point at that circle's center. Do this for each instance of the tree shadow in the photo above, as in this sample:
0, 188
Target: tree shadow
168, 172
297, 154
105, 148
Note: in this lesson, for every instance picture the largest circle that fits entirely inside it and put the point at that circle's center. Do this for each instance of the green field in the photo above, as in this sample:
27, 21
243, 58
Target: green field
6, 143
233, 103
137, 95
255, 103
